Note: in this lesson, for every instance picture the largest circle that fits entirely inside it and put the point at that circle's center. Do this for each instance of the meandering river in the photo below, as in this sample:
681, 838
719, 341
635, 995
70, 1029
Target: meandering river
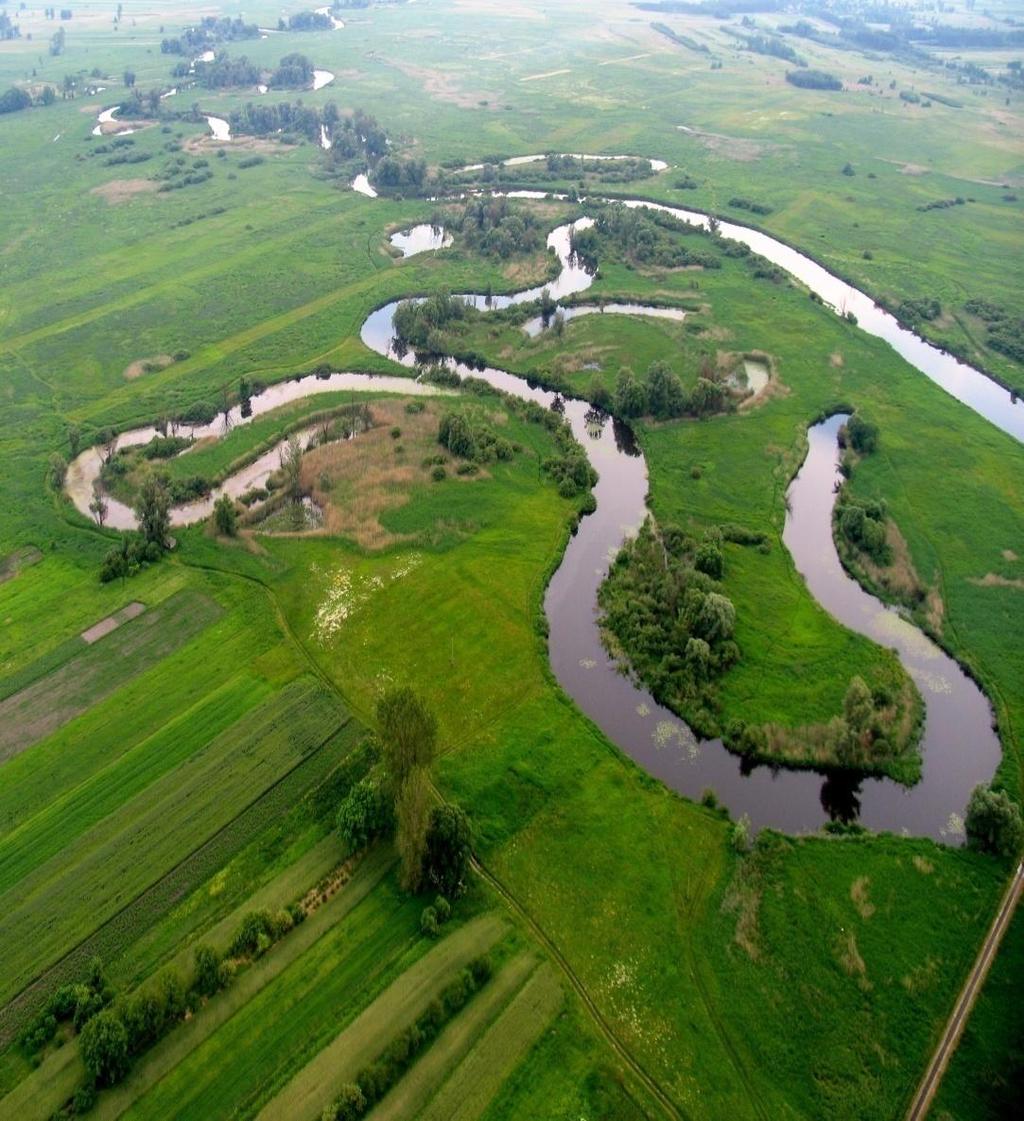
959, 745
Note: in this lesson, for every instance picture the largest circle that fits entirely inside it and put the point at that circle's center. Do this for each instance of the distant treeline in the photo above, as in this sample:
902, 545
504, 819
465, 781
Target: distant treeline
294, 71
770, 45
721, 9
682, 40
209, 32
813, 80
306, 21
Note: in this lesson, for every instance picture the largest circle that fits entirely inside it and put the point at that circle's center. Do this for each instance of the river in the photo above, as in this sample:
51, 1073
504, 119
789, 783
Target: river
959, 745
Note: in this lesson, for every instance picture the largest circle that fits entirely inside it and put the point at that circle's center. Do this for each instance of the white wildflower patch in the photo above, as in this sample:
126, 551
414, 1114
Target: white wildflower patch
643, 709
346, 591
954, 827
667, 733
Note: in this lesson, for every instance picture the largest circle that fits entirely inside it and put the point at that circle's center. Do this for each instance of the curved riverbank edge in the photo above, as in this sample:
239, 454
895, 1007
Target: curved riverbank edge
613, 195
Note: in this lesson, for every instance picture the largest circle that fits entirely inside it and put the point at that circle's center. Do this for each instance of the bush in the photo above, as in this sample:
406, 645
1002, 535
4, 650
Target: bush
224, 516
438, 474
429, 925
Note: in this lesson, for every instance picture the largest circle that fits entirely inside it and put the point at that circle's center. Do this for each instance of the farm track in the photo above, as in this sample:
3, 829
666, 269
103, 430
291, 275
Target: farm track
650, 1084
921, 1104
700, 984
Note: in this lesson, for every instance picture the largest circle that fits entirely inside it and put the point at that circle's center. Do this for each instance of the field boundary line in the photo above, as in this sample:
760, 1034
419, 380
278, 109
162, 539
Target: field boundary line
954, 1027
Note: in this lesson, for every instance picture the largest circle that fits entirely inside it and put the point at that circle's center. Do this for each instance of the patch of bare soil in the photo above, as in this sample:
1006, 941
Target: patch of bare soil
112, 622
330, 885
906, 168
849, 958
13, 563
1010, 555
355, 481
528, 271
731, 147
445, 87
994, 580
147, 366
571, 362
121, 190
743, 899
835, 360
209, 143
859, 895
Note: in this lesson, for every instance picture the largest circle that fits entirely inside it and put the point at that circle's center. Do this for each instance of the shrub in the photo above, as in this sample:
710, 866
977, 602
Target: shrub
429, 925
438, 474
253, 936
224, 516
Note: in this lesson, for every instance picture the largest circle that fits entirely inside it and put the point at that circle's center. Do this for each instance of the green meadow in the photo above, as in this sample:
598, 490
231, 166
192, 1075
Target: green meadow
162, 782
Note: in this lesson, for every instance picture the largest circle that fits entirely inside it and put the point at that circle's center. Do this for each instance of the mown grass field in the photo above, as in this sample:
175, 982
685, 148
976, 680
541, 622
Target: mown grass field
807, 979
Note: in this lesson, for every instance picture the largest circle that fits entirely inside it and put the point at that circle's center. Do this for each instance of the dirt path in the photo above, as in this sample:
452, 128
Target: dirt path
921, 1104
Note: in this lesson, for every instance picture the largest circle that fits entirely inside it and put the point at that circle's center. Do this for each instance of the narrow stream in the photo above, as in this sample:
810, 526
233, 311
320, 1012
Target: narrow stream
959, 746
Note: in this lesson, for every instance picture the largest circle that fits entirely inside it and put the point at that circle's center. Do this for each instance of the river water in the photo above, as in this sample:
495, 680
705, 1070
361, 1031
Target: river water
959, 746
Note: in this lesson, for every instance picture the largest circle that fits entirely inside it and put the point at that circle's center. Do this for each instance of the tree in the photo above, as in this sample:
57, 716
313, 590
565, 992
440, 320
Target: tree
366, 814
224, 516
709, 560
154, 511
993, 822
104, 1048
245, 397
408, 731
862, 434
98, 509
714, 618
630, 399
208, 977
448, 848
291, 466
665, 396
349, 1105
58, 470
74, 439
129, 78
412, 811
858, 706
48, 96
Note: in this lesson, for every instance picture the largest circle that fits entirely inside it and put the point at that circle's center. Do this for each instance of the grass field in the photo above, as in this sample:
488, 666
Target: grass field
193, 764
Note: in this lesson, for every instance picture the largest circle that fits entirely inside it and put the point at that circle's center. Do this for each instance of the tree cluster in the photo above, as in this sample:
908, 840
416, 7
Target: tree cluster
664, 609
813, 80
209, 31
357, 1098
294, 71
642, 237
468, 435
433, 845
493, 226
